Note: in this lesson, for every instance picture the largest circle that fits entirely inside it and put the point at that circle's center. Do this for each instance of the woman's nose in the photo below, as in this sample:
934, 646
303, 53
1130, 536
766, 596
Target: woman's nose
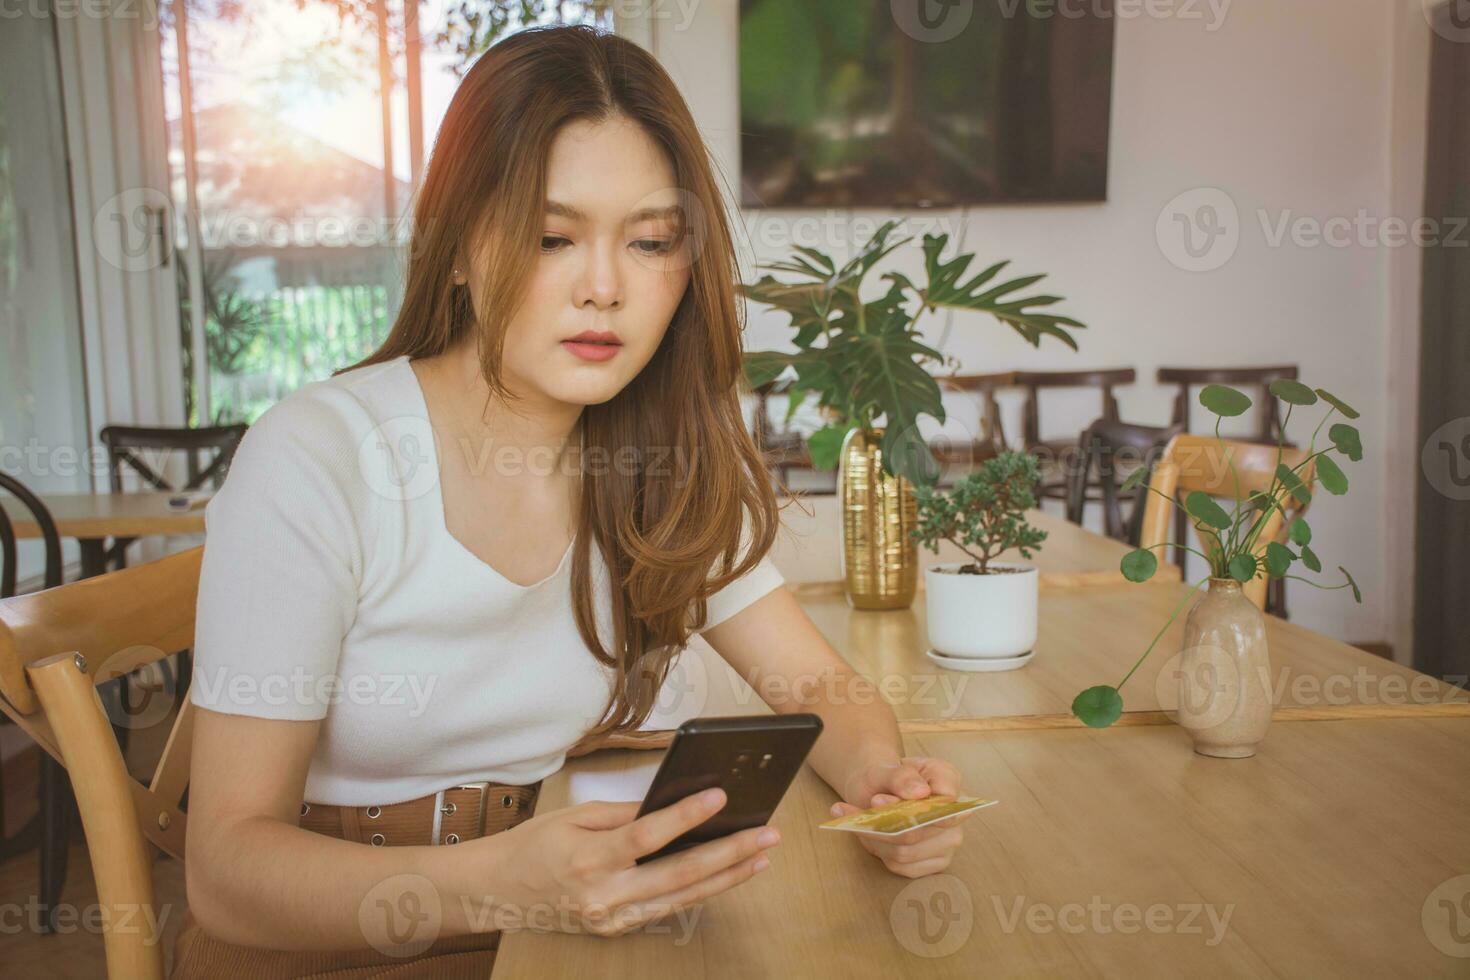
600, 282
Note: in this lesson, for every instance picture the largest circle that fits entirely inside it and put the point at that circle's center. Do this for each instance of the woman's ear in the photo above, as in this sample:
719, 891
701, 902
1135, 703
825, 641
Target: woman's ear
457, 274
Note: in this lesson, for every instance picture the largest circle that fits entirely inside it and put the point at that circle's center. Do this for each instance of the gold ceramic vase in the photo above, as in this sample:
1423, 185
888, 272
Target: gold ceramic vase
880, 561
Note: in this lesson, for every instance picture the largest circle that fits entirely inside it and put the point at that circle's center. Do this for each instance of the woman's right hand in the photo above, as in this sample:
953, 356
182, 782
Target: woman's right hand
575, 869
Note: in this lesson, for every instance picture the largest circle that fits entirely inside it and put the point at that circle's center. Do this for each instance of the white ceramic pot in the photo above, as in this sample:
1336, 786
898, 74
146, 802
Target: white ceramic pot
986, 616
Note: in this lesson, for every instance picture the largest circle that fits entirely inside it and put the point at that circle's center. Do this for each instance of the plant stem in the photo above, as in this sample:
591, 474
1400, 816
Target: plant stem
1159, 635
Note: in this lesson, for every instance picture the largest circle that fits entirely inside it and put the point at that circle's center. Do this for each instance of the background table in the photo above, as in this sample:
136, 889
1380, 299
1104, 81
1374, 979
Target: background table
92, 518
1325, 851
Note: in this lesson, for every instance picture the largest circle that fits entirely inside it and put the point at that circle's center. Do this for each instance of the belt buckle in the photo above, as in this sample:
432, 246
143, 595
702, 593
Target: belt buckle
484, 789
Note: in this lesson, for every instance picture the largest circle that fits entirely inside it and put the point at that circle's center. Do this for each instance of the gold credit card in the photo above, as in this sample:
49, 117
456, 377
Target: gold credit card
905, 815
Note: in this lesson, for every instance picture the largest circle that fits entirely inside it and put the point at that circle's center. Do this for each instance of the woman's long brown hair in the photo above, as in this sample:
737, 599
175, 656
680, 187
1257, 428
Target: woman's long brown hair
671, 529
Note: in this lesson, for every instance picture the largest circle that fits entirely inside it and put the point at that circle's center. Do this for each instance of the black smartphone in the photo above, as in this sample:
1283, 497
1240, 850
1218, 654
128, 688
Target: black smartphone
753, 758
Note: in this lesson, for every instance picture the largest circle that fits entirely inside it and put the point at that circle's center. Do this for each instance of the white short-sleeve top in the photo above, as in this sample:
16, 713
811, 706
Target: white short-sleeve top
331, 589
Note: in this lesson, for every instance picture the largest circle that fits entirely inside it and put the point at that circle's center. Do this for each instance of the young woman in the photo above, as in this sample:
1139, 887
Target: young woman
432, 575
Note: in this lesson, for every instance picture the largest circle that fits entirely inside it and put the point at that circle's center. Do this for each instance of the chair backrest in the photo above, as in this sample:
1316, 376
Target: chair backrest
992, 435
1034, 381
55, 647
124, 444
1113, 450
1200, 463
1268, 426
9, 550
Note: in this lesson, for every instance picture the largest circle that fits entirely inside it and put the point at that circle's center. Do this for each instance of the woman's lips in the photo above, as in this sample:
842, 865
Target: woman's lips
591, 351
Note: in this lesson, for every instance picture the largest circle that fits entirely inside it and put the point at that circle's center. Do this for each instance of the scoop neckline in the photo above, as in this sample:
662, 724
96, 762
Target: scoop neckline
441, 523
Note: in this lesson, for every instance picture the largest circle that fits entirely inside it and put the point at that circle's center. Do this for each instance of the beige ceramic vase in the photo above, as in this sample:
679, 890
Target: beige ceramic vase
1224, 674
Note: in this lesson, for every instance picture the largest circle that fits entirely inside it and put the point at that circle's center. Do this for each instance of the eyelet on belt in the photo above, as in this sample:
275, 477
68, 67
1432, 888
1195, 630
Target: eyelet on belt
506, 800
378, 840
374, 812
305, 809
451, 839
448, 809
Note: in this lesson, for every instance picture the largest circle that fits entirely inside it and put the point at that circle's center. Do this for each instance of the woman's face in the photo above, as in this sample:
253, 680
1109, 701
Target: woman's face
611, 268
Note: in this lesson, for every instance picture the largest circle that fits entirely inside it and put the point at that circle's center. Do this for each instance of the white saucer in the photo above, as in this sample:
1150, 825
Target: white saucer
973, 664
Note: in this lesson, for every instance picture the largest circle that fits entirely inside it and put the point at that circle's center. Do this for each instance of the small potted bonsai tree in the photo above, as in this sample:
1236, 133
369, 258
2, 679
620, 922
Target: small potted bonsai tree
982, 613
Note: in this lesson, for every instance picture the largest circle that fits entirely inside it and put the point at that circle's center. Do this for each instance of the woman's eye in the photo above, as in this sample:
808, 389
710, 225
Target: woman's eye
551, 243
653, 246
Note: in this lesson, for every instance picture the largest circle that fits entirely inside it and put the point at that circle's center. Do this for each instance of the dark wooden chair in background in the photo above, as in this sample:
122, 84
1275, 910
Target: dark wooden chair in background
1059, 455
1268, 419
1110, 451
785, 449
1268, 426
988, 437
54, 810
126, 443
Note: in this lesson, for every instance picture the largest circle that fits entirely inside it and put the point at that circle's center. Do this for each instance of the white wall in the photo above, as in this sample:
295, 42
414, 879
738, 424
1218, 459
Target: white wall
1288, 108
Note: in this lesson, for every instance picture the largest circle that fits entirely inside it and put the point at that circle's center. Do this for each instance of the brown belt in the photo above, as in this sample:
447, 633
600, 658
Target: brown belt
449, 816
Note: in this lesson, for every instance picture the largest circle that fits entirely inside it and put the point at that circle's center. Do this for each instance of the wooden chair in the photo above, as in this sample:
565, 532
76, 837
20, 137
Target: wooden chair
55, 648
124, 444
1193, 463
990, 440
51, 778
784, 449
1057, 455
1113, 450
1268, 420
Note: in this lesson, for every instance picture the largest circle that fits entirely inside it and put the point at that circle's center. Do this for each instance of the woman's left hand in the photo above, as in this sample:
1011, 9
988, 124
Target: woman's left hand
927, 850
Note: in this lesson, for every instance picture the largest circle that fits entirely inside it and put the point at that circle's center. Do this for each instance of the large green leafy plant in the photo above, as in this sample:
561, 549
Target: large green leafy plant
865, 359
1234, 537
984, 513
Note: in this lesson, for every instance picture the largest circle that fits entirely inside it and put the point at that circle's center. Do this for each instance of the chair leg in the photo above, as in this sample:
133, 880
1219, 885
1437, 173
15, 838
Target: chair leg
56, 816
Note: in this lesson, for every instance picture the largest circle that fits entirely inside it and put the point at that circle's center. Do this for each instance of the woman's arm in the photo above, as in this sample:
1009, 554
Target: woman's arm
780, 652
257, 879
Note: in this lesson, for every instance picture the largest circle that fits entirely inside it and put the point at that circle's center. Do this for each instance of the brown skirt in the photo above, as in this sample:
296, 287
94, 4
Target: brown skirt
457, 814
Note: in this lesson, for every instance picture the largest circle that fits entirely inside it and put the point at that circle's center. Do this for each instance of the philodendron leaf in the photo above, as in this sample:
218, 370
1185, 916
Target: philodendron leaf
1223, 400
1293, 483
1300, 532
1345, 437
1139, 565
1338, 403
1357, 592
1332, 476
1202, 507
1293, 391
825, 445
1243, 568
1098, 707
1278, 559
1135, 478
1310, 559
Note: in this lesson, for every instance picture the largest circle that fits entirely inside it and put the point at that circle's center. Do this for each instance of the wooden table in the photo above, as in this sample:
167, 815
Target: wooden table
92, 518
1111, 853
1070, 557
1093, 636
1341, 849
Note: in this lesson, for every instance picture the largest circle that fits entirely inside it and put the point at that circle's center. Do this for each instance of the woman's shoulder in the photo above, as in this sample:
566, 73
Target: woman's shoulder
320, 432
